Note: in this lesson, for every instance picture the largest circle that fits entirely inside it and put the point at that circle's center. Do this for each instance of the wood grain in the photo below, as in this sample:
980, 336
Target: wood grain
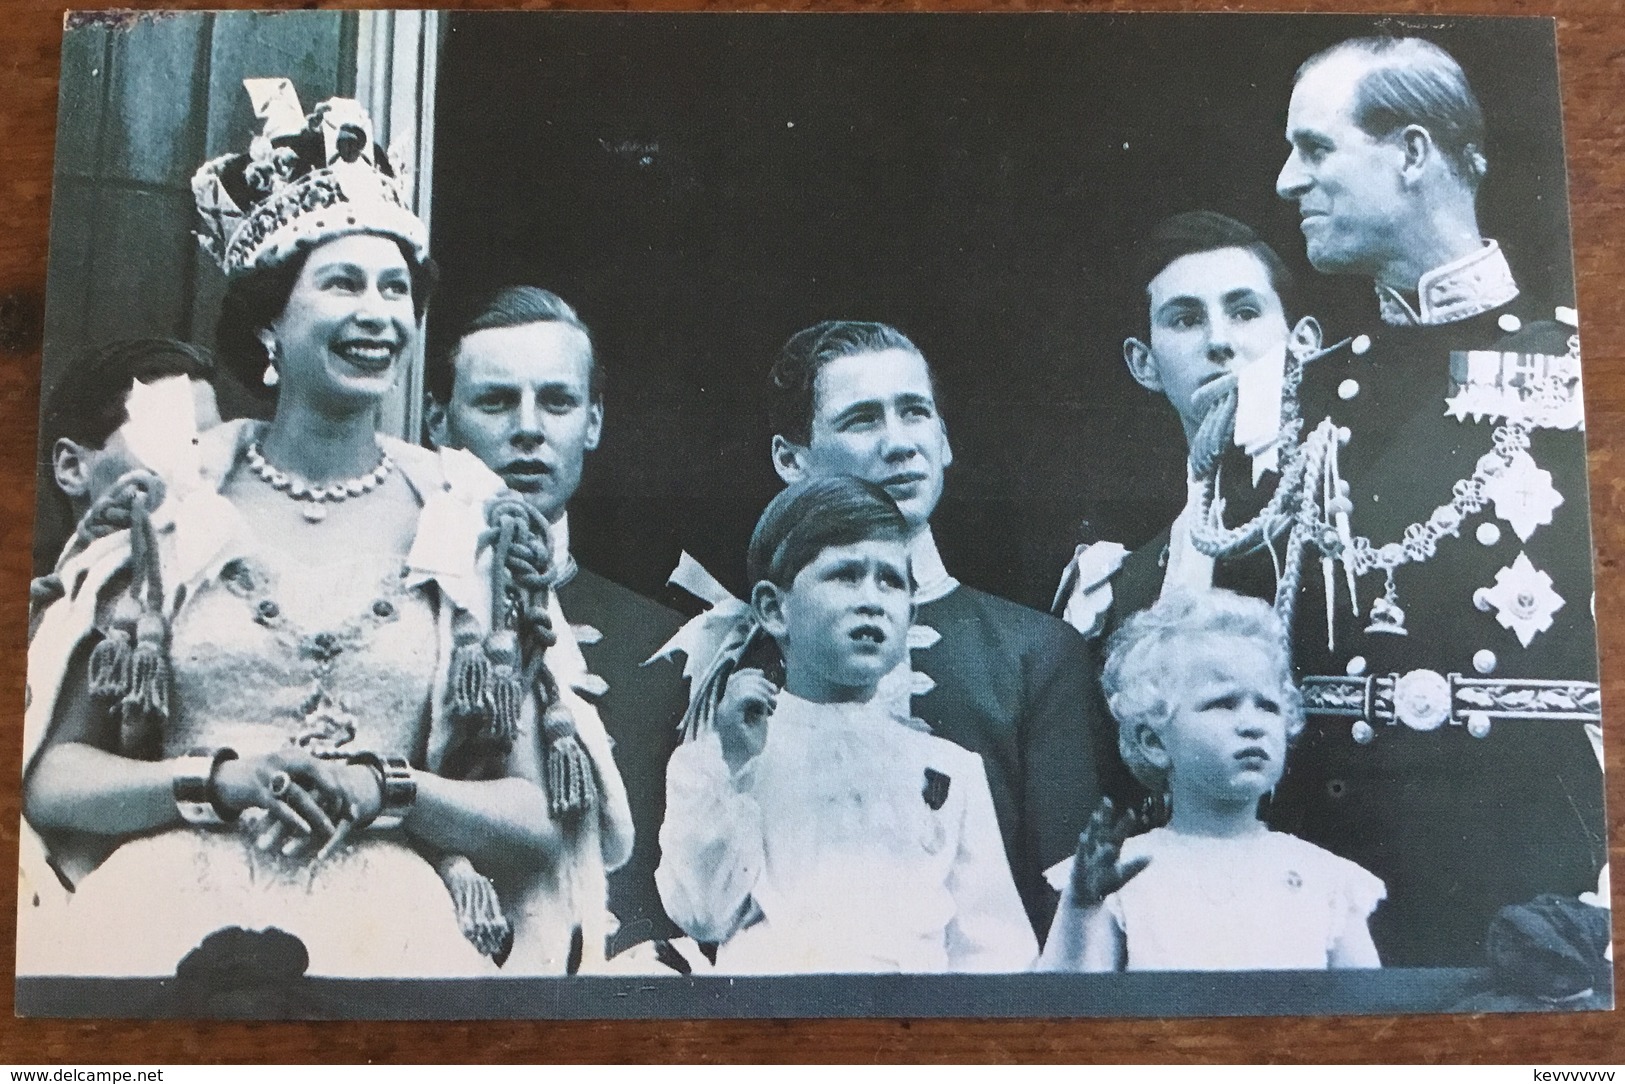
1591, 36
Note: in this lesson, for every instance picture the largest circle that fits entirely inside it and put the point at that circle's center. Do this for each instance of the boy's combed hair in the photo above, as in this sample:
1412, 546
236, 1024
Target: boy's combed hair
1137, 674
811, 517
794, 376
87, 404
1192, 232
799, 524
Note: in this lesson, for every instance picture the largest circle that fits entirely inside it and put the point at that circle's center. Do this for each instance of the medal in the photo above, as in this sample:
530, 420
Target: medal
1523, 495
1542, 390
1522, 598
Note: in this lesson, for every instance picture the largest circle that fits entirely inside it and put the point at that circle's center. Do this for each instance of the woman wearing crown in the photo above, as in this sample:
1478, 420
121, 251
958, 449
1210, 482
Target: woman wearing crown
316, 685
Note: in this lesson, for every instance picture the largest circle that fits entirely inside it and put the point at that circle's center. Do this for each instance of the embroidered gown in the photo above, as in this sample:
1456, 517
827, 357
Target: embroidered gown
266, 650
348, 656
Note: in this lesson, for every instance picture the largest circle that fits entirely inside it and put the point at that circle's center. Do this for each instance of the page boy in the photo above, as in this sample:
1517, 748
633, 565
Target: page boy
1217, 302
808, 829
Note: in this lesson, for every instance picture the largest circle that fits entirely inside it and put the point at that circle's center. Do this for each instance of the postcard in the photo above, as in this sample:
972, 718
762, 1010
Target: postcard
620, 515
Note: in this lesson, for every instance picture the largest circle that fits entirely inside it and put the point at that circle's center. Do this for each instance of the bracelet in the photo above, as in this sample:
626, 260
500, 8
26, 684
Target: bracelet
397, 787
193, 787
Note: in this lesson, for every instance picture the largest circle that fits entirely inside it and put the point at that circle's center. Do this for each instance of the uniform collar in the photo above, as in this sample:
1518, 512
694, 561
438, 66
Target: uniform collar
558, 540
1475, 284
931, 579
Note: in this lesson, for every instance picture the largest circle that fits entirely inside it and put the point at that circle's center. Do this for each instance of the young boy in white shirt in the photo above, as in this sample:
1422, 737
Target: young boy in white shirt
810, 829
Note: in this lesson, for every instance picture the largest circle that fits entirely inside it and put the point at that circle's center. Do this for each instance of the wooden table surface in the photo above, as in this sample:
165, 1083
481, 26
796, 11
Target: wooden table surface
1591, 40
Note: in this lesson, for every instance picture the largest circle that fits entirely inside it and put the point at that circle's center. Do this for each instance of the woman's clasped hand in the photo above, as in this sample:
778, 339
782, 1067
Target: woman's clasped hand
296, 803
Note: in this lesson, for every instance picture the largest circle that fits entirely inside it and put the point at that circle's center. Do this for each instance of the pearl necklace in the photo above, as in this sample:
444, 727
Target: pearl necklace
315, 498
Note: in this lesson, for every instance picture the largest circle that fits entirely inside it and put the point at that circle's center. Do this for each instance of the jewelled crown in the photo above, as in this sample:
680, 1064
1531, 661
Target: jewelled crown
305, 180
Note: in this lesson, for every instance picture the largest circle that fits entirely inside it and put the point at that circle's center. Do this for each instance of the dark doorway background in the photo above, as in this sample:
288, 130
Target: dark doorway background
702, 186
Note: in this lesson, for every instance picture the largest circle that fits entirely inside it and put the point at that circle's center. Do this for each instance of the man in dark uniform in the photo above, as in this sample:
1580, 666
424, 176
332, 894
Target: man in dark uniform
1004, 681
518, 385
1446, 749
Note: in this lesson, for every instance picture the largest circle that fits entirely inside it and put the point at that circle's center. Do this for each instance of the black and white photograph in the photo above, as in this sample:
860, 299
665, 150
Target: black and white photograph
573, 515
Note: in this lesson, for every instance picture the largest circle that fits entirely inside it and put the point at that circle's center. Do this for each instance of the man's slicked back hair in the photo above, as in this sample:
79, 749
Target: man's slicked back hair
1413, 81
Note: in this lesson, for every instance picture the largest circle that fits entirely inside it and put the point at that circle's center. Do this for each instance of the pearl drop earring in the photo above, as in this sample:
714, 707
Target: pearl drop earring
270, 376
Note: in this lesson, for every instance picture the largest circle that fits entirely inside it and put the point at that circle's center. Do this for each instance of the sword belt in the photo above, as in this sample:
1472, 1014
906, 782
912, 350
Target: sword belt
1426, 700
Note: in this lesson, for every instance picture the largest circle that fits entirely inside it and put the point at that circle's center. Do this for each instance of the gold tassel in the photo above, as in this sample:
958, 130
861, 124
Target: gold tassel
44, 590
470, 684
110, 666
479, 910
146, 705
1216, 401
538, 626
571, 789
110, 660
507, 692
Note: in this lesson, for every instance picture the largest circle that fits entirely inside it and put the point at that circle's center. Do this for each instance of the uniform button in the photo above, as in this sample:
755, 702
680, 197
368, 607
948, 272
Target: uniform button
1478, 724
1481, 599
1348, 389
1361, 344
1484, 661
1488, 534
1356, 666
1509, 323
1362, 734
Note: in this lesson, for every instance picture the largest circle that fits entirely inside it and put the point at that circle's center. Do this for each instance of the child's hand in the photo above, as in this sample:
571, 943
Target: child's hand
1096, 872
741, 718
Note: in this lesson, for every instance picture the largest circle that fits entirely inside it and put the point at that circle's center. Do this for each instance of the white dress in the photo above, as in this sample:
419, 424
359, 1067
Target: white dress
1261, 902
851, 843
